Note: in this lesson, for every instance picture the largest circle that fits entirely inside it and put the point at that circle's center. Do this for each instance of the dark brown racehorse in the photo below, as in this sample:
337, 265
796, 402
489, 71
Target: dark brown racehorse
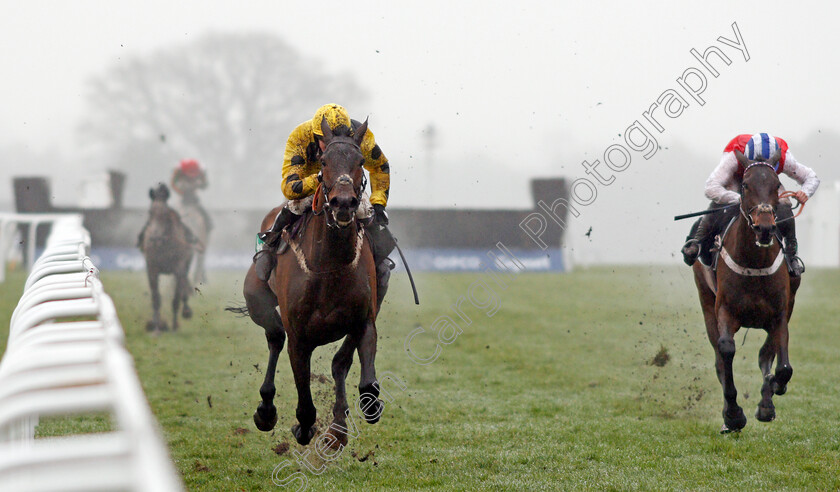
321, 291
753, 289
167, 245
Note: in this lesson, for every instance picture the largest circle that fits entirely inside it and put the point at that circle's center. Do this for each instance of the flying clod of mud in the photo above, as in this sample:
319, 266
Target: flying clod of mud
661, 358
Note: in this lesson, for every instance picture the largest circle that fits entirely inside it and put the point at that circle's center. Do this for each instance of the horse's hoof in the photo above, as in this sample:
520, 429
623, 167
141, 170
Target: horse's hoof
303, 438
372, 410
151, 326
163, 327
186, 313
265, 418
781, 378
734, 421
727, 430
765, 413
334, 439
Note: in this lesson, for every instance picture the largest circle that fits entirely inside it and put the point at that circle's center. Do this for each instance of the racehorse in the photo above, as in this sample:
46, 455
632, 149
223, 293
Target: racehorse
167, 245
751, 288
324, 291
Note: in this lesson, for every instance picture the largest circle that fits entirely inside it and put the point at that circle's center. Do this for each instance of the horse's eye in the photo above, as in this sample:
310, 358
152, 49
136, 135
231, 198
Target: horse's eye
744, 186
362, 163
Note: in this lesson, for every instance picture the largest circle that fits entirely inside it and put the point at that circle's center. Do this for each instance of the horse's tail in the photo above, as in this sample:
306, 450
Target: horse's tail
240, 311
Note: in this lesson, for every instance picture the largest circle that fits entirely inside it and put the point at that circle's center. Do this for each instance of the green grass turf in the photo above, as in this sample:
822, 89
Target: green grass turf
554, 391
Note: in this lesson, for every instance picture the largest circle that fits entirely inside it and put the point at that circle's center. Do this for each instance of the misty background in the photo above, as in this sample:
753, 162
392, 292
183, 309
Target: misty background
469, 100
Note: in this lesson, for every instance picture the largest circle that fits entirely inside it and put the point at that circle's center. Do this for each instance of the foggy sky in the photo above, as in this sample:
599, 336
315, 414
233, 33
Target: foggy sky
515, 90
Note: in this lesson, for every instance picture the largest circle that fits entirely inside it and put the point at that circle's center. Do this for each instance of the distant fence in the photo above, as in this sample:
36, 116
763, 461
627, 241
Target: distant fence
419, 259
65, 356
8, 231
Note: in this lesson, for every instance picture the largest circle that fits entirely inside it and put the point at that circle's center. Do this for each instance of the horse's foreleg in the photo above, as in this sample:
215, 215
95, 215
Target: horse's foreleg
186, 311
299, 358
784, 371
180, 293
733, 416
336, 435
156, 324
766, 412
265, 417
369, 402
200, 274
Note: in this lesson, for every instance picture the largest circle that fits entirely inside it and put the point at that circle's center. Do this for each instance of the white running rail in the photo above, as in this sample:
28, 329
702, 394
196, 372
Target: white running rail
58, 366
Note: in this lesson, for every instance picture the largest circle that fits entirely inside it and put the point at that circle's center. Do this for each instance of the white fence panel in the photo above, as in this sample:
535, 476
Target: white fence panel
53, 366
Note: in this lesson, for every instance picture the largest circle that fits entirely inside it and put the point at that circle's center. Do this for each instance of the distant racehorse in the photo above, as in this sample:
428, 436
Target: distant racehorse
752, 288
321, 291
167, 245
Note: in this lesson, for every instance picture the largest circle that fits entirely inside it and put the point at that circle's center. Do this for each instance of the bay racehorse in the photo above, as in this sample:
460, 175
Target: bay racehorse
321, 291
167, 245
751, 288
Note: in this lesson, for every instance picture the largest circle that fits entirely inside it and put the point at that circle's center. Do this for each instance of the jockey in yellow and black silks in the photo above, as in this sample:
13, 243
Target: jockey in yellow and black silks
301, 165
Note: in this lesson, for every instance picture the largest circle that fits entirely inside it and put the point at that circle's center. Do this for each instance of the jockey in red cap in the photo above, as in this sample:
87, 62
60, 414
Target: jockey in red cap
723, 188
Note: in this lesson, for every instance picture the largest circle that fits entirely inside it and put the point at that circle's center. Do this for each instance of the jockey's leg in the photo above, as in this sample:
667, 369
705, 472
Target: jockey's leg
703, 232
787, 227
691, 249
265, 259
382, 244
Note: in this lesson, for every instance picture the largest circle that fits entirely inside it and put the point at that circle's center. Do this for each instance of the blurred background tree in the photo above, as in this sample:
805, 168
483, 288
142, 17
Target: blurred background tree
228, 100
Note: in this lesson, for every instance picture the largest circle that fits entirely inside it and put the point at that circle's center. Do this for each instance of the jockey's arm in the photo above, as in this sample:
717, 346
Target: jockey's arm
300, 179
802, 174
722, 178
377, 166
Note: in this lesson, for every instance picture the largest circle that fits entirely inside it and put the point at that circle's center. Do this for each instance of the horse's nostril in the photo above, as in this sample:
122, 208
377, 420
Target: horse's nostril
354, 203
334, 202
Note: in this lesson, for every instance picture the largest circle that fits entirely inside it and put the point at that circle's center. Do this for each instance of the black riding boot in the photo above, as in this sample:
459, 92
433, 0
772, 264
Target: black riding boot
265, 259
383, 244
698, 235
787, 228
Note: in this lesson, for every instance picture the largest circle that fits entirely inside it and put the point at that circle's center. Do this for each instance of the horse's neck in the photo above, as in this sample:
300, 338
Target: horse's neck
332, 246
741, 245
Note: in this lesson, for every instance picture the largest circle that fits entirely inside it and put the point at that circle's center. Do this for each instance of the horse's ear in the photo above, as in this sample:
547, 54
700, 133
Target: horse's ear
360, 133
742, 159
326, 130
775, 158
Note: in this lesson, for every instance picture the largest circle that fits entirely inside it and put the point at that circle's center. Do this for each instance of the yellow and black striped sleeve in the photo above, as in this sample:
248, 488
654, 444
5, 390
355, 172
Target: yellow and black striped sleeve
380, 171
300, 176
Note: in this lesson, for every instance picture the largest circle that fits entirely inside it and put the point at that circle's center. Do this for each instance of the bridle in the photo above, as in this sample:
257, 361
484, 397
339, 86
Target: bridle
761, 207
332, 222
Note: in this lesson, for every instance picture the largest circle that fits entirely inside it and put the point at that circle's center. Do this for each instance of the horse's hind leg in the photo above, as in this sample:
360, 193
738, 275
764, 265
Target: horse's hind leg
336, 435
766, 411
300, 356
265, 417
733, 415
369, 401
261, 305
